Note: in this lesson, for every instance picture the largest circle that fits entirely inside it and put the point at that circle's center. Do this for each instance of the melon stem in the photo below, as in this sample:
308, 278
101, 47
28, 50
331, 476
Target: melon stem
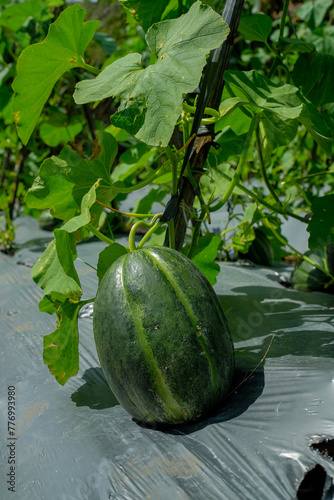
153, 227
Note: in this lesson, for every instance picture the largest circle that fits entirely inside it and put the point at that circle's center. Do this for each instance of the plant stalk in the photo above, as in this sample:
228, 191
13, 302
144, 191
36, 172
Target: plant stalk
263, 202
237, 173
263, 168
153, 225
196, 233
99, 235
284, 14
17, 169
143, 183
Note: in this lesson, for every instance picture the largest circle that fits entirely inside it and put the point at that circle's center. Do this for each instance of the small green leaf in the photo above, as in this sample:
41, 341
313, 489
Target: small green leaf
54, 271
205, 256
61, 347
41, 65
164, 178
255, 28
321, 226
180, 46
108, 256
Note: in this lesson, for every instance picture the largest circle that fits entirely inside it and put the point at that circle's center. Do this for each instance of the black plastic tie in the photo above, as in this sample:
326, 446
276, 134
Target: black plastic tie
171, 209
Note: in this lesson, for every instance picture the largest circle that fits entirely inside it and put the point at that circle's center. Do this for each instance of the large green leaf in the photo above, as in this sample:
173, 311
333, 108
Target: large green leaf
54, 271
205, 255
41, 65
285, 101
61, 347
63, 181
52, 190
180, 46
84, 173
321, 225
84, 217
148, 12
277, 131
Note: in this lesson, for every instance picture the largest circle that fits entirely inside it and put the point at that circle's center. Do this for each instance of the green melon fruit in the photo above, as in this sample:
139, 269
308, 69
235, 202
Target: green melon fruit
162, 338
307, 278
